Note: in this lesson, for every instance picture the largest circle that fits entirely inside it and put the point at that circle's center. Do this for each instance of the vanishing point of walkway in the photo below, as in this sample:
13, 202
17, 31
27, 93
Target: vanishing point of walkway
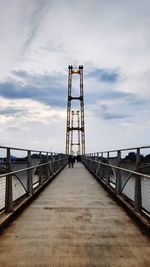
74, 223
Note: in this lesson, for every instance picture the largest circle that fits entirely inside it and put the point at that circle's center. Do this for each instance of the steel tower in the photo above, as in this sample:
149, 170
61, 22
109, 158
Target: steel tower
79, 113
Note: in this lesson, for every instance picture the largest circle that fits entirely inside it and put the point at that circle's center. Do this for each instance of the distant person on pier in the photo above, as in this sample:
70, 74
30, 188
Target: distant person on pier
78, 158
71, 161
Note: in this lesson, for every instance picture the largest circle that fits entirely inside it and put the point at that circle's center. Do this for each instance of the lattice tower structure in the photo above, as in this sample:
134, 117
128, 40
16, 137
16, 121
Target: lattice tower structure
80, 113
75, 116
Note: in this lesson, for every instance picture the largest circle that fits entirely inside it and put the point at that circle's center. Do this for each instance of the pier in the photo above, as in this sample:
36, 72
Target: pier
74, 222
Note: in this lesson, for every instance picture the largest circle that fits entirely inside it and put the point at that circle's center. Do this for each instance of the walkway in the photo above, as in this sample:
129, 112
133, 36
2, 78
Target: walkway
74, 223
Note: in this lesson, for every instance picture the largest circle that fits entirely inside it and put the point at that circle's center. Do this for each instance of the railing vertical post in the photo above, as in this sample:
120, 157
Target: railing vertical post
51, 171
47, 167
52, 165
59, 163
118, 174
138, 197
107, 173
97, 165
9, 191
40, 171
29, 175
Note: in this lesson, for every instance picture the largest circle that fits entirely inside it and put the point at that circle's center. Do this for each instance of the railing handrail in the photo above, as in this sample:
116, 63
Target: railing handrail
115, 150
119, 168
31, 150
29, 168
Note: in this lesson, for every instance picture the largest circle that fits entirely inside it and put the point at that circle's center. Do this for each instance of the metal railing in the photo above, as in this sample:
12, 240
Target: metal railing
21, 176
127, 177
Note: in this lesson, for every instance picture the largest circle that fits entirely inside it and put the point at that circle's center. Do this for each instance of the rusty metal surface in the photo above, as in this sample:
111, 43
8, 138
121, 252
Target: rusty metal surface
74, 223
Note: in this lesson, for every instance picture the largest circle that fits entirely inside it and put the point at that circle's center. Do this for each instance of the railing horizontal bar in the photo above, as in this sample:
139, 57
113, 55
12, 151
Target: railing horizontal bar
119, 168
29, 168
123, 149
23, 149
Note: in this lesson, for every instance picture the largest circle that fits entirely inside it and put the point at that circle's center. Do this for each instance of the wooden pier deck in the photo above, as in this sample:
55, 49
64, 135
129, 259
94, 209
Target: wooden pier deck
74, 223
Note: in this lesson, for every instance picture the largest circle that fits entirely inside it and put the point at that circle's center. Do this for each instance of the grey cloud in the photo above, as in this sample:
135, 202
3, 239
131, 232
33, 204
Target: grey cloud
109, 95
137, 101
45, 80
52, 90
113, 116
44, 88
34, 21
54, 47
13, 128
104, 75
103, 112
8, 111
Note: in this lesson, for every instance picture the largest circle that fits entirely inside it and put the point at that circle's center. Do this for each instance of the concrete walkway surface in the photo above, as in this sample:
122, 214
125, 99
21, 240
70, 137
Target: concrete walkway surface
74, 223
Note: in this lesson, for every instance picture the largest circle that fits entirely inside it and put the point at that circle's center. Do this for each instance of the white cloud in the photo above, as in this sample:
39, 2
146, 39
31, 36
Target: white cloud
44, 37
35, 122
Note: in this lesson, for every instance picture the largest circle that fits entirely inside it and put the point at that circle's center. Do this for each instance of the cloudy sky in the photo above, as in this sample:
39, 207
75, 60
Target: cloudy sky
40, 38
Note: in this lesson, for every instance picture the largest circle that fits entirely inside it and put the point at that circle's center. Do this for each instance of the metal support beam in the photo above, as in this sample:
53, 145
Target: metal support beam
47, 167
118, 175
138, 195
29, 175
107, 173
9, 191
40, 171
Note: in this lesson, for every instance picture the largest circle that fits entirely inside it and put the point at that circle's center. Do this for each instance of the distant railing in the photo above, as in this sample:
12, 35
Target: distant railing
21, 176
127, 175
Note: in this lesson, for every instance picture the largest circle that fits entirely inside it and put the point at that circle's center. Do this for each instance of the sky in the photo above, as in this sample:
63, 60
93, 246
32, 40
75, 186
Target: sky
40, 38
